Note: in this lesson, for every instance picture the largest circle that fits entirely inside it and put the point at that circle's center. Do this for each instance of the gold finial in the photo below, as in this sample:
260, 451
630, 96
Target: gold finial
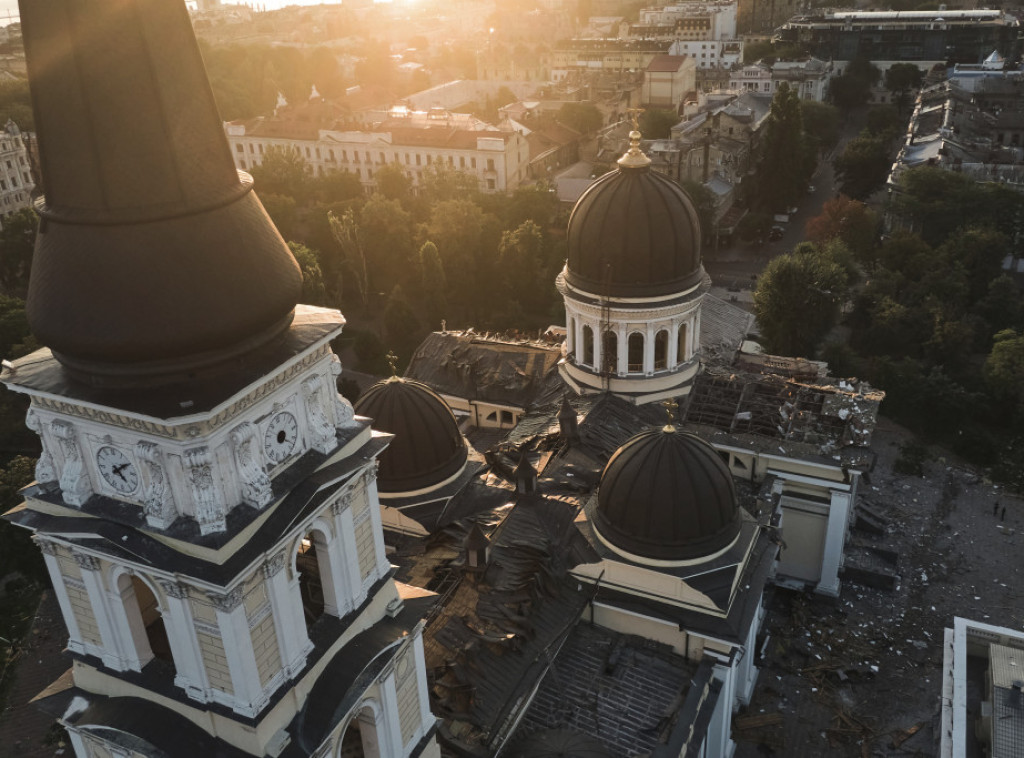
392, 360
634, 157
671, 407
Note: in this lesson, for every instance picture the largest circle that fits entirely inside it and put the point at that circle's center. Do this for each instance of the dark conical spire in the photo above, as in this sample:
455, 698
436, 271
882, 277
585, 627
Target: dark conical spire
525, 475
154, 256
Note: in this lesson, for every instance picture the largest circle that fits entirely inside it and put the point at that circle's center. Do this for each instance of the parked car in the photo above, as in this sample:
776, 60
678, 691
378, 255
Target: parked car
776, 232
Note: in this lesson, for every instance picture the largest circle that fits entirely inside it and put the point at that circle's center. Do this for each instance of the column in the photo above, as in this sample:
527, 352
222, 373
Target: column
835, 539
672, 357
390, 732
289, 618
237, 640
60, 590
649, 351
115, 655
346, 530
190, 673
622, 346
373, 500
598, 336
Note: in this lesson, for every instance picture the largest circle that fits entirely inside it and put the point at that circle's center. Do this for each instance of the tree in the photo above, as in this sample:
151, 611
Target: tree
335, 187
401, 326
393, 183
1004, 371
901, 78
432, 287
848, 220
283, 211
853, 88
657, 123
440, 182
16, 104
386, 232
521, 254
282, 172
345, 230
884, 121
820, 123
786, 162
17, 241
797, 299
313, 290
583, 117
863, 166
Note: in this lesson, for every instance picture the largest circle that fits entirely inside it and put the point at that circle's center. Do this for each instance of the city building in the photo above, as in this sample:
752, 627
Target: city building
926, 38
982, 690
667, 80
415, 140
16, 183
604, 55
205, 501
809, 79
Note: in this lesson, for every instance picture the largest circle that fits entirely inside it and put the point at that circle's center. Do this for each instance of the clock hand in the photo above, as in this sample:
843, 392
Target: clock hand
119, 470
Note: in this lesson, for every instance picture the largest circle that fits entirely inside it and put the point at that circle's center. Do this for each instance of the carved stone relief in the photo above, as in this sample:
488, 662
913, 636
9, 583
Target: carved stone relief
209, 511
74, 480
157, 499
344, 416
322, 433
45, 471
256, 489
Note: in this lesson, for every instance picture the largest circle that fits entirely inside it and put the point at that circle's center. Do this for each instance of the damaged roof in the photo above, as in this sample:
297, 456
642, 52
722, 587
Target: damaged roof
506, 371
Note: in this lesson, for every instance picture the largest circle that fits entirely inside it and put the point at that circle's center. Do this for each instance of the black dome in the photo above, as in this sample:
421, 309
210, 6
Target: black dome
634, 233
427, 448
666, 495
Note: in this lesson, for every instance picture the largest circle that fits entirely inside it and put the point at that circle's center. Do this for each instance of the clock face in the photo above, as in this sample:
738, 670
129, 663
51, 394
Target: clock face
281, 437
117, 470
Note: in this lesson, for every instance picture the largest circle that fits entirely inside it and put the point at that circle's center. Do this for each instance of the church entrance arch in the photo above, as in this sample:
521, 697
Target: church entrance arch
362, 737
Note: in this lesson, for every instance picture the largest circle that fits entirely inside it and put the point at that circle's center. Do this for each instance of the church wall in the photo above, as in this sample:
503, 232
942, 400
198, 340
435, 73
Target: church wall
626, 622
78, 598
264, 645
408, 694
211, 647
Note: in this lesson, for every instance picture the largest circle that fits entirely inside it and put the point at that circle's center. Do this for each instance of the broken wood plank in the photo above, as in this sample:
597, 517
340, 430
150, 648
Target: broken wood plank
759, 720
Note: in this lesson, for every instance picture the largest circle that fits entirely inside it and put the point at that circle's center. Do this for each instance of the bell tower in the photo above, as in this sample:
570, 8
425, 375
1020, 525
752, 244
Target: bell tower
206, 502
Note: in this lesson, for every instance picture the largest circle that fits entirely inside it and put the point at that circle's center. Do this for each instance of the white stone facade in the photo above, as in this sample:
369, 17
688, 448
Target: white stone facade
499, 160
198, 466
645, 349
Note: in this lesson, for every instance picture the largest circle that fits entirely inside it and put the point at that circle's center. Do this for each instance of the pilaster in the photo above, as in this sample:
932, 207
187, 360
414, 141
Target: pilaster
234, 630
422, 691
60, 590
289, 619
190, 673
390, 731
835, 538
114, 653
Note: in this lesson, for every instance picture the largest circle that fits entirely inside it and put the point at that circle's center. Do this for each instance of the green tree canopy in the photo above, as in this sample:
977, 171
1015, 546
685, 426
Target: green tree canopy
282, 172
17, 242
853, 87
313, 290
863, 166
583, 117
820, 123
798, 297
657, 123
1004, 370
901, 78
848, 220
786, 160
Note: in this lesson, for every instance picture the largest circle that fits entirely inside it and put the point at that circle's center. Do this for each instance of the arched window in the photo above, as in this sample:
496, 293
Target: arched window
588, 346
309, 562
681, 345
610, 352
661, 350
145, 623
362, 737
636, 353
